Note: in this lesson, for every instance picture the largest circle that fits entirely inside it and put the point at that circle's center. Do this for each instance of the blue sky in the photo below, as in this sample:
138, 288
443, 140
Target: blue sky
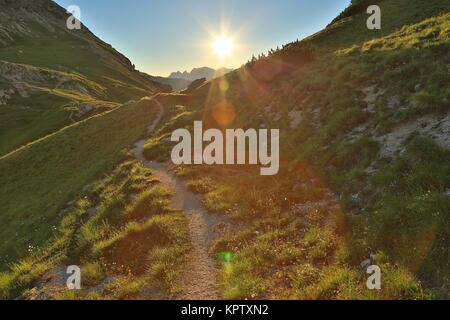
161, 36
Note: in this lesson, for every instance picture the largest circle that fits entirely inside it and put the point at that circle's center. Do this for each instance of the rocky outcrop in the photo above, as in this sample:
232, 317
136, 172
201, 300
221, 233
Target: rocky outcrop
16, 16
25, 80
5, 95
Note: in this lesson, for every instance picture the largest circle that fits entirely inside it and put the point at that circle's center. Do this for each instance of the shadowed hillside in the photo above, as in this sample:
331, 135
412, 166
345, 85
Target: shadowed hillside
365, 127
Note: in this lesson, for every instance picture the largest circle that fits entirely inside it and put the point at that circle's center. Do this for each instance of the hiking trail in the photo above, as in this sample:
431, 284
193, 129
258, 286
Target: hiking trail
199, 278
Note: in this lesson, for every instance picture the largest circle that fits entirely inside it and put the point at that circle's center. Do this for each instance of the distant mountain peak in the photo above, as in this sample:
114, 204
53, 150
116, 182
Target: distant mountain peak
199, 73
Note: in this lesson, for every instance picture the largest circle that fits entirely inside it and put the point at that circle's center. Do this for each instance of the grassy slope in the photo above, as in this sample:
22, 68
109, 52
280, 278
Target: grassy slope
23, 121
122, 233
78, 54
352, 30
42, 177
48, 108
357, 202
75, 53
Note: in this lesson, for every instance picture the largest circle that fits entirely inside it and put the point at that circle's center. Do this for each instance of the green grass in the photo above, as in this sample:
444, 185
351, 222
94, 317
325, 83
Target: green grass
80, 60
67, 53
25, 120
414, 203
158, 147
352, 30
312, 254
353, 203
145, 204
395, 208
427, 33
39, 179
201, 186
132, 245
93, 273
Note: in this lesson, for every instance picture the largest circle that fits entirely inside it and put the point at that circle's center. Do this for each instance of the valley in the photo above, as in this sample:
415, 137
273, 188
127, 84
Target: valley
88, 176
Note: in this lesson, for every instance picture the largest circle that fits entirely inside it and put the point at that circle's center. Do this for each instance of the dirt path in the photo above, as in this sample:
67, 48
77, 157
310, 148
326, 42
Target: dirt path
199, 280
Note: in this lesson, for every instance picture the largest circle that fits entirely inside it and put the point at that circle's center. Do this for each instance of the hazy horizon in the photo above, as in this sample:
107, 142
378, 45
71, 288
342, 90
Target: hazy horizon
180, 34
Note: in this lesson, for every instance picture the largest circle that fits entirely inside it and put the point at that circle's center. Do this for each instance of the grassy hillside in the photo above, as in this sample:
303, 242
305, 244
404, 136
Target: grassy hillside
22, 123
123, 234
350, 29
41, 178
51, 76
364, 118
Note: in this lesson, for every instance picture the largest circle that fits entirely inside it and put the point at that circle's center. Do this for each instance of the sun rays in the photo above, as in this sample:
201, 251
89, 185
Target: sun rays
223, 46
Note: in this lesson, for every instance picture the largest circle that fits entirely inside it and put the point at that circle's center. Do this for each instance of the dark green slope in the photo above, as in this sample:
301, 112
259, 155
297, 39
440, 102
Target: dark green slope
40, 179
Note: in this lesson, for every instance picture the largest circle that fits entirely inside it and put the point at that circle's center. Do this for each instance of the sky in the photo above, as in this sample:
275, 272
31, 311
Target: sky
162, 36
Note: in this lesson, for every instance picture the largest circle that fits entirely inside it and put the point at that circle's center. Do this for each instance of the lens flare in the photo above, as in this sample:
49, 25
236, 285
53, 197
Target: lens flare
224, 114
223, 46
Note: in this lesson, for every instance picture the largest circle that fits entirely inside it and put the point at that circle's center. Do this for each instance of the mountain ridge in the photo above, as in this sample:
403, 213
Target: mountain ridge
65, 74
199, 73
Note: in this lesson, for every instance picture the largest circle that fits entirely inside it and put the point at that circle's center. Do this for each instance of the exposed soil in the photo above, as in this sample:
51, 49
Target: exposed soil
199, 281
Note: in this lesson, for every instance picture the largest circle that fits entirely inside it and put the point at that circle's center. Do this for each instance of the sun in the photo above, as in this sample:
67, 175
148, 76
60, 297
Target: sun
223, 46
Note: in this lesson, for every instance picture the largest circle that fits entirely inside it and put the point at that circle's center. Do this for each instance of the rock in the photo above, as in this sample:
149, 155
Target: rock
297, 187
371, 95
268, 109
277, 116
5, 95
85, 108
371, 170
437, 127
91, 212
366, 264
394, 102
369, 262
25, 79
295, 117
